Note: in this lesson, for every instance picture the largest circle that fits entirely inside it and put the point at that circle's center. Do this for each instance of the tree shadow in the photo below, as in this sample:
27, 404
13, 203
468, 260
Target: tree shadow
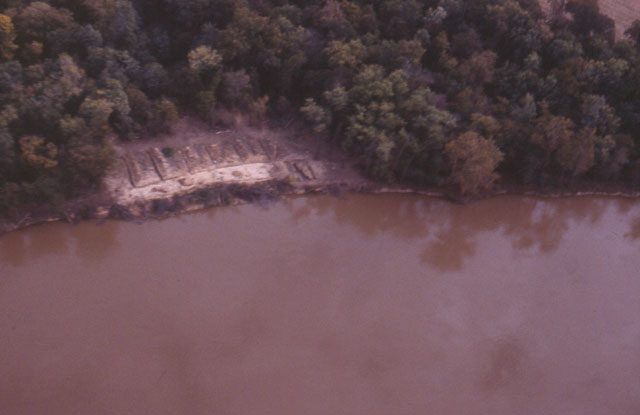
634, 230
27, 245
370, 214
95, 243
534, 225
88, 241
628, 207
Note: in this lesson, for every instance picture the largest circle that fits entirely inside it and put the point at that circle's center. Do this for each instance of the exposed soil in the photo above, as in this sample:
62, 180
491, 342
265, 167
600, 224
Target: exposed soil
193, 166
193, 157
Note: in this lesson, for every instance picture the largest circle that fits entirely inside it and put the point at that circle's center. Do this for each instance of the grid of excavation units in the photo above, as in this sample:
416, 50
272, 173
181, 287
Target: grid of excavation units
152, 166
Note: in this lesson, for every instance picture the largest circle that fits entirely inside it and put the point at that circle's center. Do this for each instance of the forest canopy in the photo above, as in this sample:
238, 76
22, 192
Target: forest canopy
422, 92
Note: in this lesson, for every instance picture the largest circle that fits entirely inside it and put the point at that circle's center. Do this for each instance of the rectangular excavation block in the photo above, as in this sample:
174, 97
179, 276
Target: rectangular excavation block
241, 149
169, 167
254, 147
270, 149
279, 150
304, 170
179, 162
214, 152
141, 169
197, 159
229, 156
256, 152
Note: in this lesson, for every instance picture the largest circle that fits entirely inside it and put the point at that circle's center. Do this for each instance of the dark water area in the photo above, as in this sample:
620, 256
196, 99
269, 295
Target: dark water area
385, 304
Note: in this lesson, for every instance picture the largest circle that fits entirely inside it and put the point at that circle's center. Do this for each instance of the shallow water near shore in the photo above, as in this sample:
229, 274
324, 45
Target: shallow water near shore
376, 304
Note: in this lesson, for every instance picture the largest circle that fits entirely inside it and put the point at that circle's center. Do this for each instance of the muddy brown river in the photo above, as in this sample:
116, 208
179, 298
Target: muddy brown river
372, 305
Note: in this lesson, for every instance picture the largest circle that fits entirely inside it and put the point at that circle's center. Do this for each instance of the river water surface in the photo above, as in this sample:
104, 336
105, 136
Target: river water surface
373, 305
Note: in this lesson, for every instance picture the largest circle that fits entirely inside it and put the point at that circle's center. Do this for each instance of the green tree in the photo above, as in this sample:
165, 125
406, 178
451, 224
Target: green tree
478, 70
87, 162
597, 114
403, 17
36, 154
7, 38
165, 114
235, 88
124, 24
154, 79
9, 196
337, 98
633, 32
251, 39
318, 117
141, 108
588, 20
7, 152
96, 112
39, 19
473, 160
345, 55
576, 155
333, 19
517, 31
204, 60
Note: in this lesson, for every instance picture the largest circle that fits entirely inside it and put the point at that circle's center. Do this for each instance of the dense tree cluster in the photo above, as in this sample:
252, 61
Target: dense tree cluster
425, 92
459, 91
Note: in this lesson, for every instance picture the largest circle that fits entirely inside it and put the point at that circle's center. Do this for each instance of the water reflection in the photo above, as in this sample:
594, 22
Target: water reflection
95, 242
88, 240
506, 361
249, 310
626, 207
403, 217
634, 231
448, 232
12, 249
18, 248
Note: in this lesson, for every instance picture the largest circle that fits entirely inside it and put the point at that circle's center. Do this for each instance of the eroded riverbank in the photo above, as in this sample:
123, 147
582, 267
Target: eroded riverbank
193, 167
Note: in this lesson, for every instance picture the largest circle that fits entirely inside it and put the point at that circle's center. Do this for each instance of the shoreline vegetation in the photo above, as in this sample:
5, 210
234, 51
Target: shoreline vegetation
133, 109
271, 191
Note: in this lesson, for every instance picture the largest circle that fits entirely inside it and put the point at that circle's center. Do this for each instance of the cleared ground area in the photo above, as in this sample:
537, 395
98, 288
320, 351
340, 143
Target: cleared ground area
193, 157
